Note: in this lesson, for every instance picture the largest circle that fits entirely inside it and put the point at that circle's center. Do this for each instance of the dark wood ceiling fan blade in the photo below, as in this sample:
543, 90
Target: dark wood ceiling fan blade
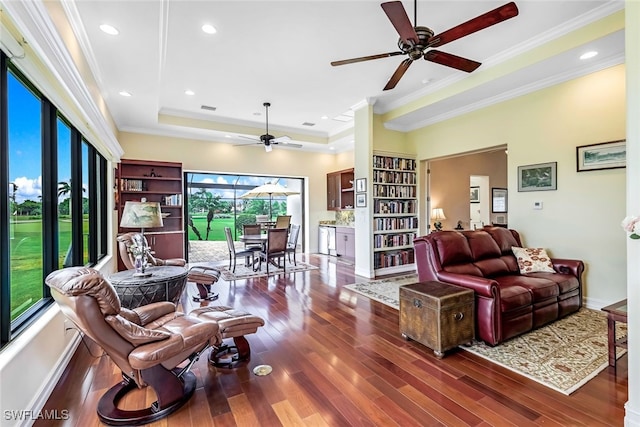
398, 17
451, 60
478, 23
365, 58
397, 75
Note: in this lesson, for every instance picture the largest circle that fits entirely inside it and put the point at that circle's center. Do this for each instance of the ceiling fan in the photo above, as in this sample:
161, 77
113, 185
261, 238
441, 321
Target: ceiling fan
415, 41
269, 140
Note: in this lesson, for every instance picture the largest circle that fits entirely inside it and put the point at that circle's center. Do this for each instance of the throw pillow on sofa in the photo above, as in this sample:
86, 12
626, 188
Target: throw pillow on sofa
533, 260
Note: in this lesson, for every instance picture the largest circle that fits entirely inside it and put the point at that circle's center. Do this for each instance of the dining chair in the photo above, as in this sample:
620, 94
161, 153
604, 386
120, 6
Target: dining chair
292, 242
249, 230
283, 221
275, 248
234, 254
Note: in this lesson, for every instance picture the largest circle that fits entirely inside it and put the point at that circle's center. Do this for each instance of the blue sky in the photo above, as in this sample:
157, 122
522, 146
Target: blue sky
25, 153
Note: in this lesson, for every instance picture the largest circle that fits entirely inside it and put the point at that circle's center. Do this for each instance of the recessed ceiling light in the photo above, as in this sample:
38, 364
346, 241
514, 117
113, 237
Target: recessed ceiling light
589, 54
109, 29
257, 113
124, 93
209, 29
227, 136
324, 117
189, 92
426, 81
331, 148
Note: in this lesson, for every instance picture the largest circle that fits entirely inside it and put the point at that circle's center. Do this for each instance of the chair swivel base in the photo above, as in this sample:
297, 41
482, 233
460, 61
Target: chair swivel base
171, 391
204, 293
231, 356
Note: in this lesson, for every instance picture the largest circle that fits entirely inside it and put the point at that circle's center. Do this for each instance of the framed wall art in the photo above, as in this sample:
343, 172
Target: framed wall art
606, 155
499, 200
361, 200
361, 185
539, 177
474, 194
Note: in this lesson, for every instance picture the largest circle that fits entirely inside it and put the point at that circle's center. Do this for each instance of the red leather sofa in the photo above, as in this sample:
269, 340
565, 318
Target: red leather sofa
507, 303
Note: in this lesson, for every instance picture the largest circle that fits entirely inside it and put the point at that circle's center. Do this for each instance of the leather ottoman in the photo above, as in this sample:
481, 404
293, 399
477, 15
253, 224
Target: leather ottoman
233, 324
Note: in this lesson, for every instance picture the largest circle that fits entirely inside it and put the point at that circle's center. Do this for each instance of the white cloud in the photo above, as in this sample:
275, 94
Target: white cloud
28, 189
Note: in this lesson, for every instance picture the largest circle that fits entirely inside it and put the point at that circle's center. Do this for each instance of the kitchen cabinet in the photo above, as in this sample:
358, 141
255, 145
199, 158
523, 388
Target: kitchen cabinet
340, 190
346, 243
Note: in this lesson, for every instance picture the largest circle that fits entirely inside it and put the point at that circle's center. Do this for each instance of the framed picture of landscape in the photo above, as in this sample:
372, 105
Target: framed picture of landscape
606, 155
539, 177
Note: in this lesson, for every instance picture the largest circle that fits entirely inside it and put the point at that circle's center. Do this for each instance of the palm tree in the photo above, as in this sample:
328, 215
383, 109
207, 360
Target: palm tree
65, 188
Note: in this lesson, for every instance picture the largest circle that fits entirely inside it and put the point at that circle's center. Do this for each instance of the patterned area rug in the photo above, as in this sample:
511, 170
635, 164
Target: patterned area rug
563, 355
386, 291
243, 272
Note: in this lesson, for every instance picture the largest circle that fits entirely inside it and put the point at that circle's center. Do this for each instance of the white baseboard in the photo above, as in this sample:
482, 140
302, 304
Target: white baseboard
41, 398
632, 416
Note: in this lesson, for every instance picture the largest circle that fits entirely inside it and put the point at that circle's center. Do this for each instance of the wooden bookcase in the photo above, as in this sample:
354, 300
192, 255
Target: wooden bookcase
395, 217
157, 182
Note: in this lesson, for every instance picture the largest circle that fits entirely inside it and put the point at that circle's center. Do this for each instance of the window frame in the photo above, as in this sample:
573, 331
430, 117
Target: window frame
97, 193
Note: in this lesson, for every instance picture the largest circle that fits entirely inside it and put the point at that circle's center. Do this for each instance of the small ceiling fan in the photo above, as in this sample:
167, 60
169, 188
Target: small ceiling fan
269, 140
415, 41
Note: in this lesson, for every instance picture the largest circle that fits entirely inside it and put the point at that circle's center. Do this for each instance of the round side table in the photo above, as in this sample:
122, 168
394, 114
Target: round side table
166, 283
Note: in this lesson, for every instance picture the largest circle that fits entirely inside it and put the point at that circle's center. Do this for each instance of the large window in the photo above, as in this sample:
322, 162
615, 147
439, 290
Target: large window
216, 201
53, 206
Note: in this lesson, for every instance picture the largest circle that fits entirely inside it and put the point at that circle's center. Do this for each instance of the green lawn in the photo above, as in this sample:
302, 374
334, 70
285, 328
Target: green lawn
217, 228
26, 261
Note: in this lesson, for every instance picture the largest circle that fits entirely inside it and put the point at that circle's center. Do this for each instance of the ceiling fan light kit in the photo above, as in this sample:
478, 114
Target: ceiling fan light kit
415, 41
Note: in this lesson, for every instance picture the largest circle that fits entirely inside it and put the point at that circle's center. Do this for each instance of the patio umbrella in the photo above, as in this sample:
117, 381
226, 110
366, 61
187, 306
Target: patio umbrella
268, 190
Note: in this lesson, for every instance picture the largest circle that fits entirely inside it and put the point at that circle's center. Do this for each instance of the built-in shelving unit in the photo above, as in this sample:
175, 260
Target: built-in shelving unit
340, 190
395, 217
157, 182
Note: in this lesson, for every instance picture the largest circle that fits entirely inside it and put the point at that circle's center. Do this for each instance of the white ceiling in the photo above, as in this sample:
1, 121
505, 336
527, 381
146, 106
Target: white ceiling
279, 51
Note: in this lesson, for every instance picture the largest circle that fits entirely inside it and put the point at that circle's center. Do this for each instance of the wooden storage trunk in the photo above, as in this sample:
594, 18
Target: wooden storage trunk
436, 314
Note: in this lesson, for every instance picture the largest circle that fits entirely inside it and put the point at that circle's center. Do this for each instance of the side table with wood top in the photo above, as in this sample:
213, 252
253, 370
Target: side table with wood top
616, 312
166, 283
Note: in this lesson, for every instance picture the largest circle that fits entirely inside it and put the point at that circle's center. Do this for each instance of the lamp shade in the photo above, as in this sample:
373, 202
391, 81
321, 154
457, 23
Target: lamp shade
141, 215
437, 214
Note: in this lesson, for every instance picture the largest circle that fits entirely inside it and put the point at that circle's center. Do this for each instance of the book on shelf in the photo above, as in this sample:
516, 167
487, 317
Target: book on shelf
131, 184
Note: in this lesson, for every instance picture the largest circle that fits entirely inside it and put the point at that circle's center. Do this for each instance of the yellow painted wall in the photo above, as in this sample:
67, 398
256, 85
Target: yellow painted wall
581, 219
209, 156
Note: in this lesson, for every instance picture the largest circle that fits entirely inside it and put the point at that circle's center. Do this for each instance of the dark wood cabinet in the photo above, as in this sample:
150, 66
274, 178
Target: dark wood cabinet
157, 182
346, 243
340, 190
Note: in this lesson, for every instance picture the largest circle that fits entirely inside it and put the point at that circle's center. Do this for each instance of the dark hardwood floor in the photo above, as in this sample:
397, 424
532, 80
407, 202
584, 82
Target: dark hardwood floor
338, 359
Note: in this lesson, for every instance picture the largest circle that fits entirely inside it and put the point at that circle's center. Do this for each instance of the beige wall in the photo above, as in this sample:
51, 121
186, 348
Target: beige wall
209, 156
449, 183
582, 218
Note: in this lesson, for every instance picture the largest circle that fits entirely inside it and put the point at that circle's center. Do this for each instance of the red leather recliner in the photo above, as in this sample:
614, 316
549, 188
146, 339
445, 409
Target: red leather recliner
507, 303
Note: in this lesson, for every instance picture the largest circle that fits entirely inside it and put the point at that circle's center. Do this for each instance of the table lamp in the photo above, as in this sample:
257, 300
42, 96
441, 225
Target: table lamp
437, 215
141, 215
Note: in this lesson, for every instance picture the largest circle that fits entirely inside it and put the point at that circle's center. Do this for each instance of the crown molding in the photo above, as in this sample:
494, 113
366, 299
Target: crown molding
505, 96
33, 21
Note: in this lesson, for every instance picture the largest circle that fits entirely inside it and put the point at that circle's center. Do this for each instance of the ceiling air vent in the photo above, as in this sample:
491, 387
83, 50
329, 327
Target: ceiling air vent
308, 124
208, 107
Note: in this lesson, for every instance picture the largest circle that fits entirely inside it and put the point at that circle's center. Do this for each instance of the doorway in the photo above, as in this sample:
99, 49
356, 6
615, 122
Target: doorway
447, 185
